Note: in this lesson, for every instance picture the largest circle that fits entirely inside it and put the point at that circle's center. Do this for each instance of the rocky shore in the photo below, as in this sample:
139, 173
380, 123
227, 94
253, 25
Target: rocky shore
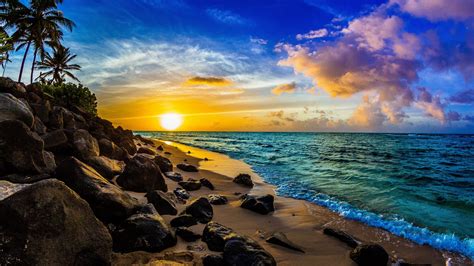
75, 190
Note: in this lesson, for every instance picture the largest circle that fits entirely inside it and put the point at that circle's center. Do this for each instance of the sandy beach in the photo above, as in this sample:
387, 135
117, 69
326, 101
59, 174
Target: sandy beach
301, 221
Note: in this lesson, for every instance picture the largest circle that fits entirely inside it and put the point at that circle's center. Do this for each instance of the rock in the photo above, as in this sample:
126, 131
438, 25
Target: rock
105, 166
21, 150
167, 153
190, 185
56, 119
216, 199
39, 127
205, 182
200, 209
187, 235
25, 179
146, 151
177, 177
143, 232
187, 167
185, 220
244, 179
146, 209
141, 174
280, 239
369, 255
109, 203
258, 204
164, 163
160, 148
342, 236
13, 109
55, 140
42, 110
7, 85
85, 145
162, 203
245, 251
213, 260
216, 235
181, 193
49, 224
109, 149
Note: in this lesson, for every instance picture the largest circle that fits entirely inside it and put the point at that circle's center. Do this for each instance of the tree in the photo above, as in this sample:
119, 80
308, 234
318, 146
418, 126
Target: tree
58, 65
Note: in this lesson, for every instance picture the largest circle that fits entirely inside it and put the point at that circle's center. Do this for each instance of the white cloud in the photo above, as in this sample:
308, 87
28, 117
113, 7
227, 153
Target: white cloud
313, 34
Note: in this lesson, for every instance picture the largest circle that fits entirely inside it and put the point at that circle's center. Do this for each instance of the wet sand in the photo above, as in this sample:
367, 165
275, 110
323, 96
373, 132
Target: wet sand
301, 221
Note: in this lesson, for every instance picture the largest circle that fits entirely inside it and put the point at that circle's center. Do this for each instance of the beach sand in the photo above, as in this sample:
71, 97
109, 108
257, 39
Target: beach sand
301, 221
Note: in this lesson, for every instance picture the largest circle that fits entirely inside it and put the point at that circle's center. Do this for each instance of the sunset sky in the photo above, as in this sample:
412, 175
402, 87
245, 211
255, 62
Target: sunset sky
284, 65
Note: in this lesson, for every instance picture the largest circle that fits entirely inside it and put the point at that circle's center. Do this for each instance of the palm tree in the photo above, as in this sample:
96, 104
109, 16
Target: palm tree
58, 65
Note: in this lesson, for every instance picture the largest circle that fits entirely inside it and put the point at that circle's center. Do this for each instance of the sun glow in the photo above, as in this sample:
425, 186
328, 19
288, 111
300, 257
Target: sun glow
171, 121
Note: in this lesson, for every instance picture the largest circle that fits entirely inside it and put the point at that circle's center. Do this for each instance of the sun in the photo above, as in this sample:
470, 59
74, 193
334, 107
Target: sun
171, 121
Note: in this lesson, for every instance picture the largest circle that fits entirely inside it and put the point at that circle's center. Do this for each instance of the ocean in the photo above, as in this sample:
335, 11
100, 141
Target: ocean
420, 187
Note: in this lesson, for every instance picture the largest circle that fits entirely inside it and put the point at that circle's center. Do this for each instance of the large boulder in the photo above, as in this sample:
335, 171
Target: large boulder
213, 260
143, 232
187, 235
369, 255
190, 185
206, 183
39, 127
185, 220
42, 110
216, 235
56, 140
177, 177
200, 209
110, 203
245, 251
244, 180
13, 109
163, 204
146, 150
109, 149
258, 204
7, 85
141, 174
164, 163
187, 167
47, 223
216, 199
85, 145
106, 167
22, 151
279, 238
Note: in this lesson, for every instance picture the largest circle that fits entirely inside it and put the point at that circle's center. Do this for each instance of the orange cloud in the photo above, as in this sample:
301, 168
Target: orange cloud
207, 81
284, 88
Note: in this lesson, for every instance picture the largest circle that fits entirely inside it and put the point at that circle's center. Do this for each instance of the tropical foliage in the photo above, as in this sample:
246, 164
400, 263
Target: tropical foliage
72, 95
58, 66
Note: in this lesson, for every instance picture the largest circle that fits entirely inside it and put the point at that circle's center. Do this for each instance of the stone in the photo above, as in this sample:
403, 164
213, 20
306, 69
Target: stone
110, 149
369, 255
181, 194
185, 220
85, 145
143, 232
56, 119
146, 150
342, 236
280, 239
25, 179
187, 167
106, 167
49, 224
160, 148
200, 209
245, 251
244, 179
39, 127
213, 260
216, 235
141, 174
206, 183
177, 177
7, 85
216, 199
13, 109
56, 140
42, 110
109, 203
258, 204
163, 204
22, 150
190, 185
187, 234
164, 163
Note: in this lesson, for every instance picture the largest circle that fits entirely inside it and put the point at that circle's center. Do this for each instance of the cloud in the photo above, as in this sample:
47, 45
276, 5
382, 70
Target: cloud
314, 34
226, 16
284, 88
436, 10
258, 41
207, 81
465, 97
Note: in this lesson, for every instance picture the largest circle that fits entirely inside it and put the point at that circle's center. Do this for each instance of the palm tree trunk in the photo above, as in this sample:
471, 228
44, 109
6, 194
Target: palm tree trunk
33, 65
23, 62
4, 68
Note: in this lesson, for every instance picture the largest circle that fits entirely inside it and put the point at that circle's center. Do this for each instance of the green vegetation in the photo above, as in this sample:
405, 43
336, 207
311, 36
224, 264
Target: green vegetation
71, 95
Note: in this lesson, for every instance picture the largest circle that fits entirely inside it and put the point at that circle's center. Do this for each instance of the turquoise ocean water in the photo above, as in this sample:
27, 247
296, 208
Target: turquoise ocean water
420, 187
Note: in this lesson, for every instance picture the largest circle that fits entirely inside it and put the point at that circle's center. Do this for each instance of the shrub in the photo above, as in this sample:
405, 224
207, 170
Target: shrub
70, 94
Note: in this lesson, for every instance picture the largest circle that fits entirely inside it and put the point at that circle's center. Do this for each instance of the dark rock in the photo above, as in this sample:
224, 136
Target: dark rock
200, 209
369, 255
216, 235
342, 236
164, 163
280, 239
146, 151
185, 220
181, 193
244, 179
39, 127
13, 109
160, 148
85, 145
177, 177
162, 203
187, 167
145, 140
190, 185
109, 149
245, 251
205, 182
106, 167
146, 209
21, 150
55, 140
258, 204
216, 199
42, 110
25, 179
187, 234
167, 153
143, 232
213, 260
49, 224
141, 174
109, 203
33, 97
7, 85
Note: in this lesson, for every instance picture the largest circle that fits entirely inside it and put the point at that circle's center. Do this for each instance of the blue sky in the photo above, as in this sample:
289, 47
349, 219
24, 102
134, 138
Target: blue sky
286, 65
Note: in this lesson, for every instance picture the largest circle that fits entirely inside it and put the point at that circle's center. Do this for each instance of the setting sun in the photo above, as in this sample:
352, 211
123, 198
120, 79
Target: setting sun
171, 121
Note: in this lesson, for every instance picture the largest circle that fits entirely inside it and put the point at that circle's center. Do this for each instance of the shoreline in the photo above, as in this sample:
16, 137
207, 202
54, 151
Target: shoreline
302, 221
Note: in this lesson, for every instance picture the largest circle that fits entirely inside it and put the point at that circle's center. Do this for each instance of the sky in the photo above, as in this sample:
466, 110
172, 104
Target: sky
283, 65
